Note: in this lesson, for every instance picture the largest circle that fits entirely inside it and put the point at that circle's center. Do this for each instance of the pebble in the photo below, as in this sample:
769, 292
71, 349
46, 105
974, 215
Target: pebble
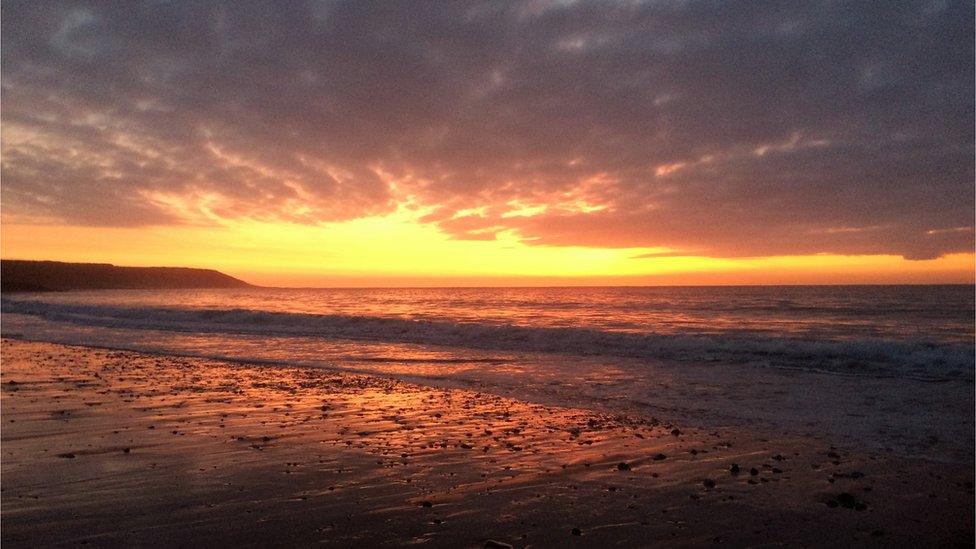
846, 500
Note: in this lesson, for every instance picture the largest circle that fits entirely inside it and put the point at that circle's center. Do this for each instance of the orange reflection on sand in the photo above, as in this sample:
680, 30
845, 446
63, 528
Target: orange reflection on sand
314, 455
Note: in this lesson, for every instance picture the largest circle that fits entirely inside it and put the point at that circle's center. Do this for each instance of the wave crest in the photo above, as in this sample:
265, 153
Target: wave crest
924, 360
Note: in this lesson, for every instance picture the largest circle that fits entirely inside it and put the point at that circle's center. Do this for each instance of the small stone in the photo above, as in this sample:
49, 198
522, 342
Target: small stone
426, 503
708, 483
753, 471
623, 466
577, 532
659, 457
846, 500
675, 432
734, 469
66, 455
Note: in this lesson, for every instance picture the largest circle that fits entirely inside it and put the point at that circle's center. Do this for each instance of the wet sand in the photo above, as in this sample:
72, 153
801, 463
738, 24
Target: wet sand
113, 448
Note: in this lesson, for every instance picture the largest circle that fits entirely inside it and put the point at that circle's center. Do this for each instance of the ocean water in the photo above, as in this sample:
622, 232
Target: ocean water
890, 367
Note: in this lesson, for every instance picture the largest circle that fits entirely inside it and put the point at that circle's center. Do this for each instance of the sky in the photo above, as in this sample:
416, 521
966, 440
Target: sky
493, 143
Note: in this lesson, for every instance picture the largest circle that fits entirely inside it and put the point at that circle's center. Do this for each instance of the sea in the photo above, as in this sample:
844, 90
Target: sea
885, 368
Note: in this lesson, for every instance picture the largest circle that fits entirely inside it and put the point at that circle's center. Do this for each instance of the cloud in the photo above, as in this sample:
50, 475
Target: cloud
717, 129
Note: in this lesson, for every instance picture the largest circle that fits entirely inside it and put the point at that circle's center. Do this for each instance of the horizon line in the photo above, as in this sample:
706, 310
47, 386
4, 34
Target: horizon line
513, 281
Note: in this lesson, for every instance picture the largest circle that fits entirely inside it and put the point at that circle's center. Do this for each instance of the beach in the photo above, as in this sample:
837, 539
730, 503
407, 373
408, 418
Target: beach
533, 273
110, 448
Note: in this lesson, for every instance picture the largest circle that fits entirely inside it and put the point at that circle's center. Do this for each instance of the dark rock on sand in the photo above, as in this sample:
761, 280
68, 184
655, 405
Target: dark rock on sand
852, 475
659, 457
734, 469
708, 483
577, 532
753, 471
623, 466
426, 503
846, 500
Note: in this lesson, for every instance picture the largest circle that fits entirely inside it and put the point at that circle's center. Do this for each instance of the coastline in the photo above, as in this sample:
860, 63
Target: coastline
115, 447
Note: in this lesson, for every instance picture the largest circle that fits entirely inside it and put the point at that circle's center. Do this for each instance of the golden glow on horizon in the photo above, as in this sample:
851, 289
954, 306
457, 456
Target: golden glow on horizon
397, 250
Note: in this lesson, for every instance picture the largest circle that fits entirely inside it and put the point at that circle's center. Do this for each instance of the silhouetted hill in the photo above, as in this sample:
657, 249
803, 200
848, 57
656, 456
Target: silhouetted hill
35, 276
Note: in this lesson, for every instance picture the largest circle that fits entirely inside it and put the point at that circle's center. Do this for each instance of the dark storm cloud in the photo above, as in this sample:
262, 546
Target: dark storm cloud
723, 129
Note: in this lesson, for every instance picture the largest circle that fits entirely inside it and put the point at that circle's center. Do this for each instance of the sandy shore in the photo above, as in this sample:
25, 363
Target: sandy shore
117, 448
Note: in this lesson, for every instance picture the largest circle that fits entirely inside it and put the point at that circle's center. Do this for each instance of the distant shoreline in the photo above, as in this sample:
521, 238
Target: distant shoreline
47, 276
19, 275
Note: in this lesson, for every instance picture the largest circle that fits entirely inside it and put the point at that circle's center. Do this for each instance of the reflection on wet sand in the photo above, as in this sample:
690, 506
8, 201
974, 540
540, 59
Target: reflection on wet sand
115, 447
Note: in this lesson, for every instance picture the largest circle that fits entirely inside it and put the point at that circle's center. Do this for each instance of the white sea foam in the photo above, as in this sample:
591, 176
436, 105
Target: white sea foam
888, 368
867, 356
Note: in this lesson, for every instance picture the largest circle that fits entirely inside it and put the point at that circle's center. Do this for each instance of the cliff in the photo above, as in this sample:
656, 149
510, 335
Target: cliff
33, 276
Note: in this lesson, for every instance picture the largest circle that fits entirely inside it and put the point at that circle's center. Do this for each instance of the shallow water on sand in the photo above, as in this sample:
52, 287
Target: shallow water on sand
833, 361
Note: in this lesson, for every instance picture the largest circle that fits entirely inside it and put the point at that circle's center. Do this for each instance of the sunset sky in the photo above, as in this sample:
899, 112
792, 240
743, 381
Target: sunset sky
563, 142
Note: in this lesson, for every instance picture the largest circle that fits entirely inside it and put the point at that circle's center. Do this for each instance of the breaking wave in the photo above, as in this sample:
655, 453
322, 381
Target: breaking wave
918, 359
